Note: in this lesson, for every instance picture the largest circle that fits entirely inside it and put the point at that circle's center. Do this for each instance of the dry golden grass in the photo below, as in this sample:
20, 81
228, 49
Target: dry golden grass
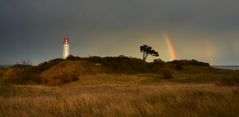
114, 95
67, 71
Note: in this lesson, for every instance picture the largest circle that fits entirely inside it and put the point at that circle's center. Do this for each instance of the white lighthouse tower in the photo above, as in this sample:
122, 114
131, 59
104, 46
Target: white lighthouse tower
66, 48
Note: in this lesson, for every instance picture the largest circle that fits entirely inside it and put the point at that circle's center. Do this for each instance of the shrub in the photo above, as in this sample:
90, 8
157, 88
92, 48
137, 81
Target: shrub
47, 65
159, 61
189, 62
61, 73
121, 64
179, 67
167, 73
21, 74
13, 75
155, 65
73, 58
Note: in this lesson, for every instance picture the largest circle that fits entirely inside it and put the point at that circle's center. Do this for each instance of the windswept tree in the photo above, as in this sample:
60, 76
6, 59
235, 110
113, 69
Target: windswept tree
147, 50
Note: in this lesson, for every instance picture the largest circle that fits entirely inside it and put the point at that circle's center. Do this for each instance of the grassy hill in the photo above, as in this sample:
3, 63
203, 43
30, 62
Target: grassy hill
59, 71
118, 86
67, 71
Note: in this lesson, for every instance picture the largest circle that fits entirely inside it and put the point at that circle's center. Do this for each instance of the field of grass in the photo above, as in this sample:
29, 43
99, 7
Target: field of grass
116, 87
117, 95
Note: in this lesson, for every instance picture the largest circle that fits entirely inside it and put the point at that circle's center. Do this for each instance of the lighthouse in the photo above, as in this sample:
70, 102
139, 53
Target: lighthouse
66, 48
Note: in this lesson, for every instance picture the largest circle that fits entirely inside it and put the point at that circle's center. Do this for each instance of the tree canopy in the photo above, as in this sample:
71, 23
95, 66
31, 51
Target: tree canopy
147, 50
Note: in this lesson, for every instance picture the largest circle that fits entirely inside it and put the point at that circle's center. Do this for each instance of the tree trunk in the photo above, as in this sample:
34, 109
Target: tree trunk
144, 56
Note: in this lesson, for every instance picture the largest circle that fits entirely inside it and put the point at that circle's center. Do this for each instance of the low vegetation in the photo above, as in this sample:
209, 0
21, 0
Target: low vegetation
21, 74
2, 70
59, 71
67, 71
118, 86
119, 95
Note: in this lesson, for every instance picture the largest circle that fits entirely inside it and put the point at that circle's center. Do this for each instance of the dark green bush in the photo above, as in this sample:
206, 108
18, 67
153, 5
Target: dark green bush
189, 62
159, 61
167, 73
73, 58
121, 64
21, 74
46, 65
179, 67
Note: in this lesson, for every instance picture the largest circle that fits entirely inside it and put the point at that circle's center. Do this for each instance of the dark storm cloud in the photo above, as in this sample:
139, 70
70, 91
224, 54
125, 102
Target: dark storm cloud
31, 29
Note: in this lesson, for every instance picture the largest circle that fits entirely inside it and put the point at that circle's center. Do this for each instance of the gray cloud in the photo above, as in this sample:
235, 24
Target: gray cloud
35, 29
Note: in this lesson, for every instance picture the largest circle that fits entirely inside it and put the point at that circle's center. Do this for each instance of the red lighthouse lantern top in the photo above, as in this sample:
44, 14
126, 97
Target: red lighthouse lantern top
66, 40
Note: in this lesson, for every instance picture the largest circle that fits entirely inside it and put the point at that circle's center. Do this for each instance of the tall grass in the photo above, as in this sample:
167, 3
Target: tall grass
120, 99
190, 91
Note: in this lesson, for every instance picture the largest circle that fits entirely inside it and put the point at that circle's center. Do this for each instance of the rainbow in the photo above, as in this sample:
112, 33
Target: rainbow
170, 47
209, 50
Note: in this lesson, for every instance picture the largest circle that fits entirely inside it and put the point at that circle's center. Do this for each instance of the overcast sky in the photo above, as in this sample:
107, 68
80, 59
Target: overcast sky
206, 30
